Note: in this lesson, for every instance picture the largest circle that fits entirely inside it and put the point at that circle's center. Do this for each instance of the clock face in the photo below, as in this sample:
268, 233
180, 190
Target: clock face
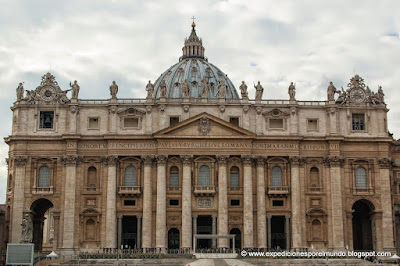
357, 95
47, 93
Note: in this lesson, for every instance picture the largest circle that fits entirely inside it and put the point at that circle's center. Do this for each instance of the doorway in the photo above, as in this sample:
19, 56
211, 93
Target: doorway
238, 238
39, 208
204, 226
129, 232
278, 234
362, 225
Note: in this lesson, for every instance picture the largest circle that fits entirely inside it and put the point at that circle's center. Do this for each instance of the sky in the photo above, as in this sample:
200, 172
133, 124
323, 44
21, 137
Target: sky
275, 42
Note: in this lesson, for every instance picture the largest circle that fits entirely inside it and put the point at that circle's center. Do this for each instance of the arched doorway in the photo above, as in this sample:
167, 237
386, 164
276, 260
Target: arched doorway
39, 208
363, 229
173, 238
238, 238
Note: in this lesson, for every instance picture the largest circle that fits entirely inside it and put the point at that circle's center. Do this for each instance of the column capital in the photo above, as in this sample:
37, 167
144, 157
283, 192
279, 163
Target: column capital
260, 160
148, 160
187, 159
334, 161
194, 216
296, 160
71, 160
110, 160
119, 217
161, 159
222, 159
384, 163
247, 159
20, 160
214, 216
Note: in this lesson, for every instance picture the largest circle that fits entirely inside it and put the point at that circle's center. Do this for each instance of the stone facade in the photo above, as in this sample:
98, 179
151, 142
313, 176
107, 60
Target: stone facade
150, 173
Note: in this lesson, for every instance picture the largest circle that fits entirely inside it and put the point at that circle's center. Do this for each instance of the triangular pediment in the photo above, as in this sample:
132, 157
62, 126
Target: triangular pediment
204, 125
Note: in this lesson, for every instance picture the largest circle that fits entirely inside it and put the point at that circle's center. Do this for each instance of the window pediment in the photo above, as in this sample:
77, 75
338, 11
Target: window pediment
275, 113
131, 112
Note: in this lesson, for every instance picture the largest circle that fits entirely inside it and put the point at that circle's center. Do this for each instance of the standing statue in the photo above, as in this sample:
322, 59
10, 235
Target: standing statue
150, 90
243, 90
163, 89
20, 92
292, 92
331, 92
380, 95
75, 89
259, 91
185, 89
222, 89
27, 229
114, 90
204, 88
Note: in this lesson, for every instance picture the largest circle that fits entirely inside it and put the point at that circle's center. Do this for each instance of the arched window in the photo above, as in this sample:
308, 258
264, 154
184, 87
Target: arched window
90, 230
204, 176
92, 177
314, 177
174, 177
276, 180
44, 177
316, 230
234, 177
130, 176
361, 178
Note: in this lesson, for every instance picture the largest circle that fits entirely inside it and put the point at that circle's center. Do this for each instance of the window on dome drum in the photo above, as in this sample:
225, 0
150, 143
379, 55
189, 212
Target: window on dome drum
234, 177
358, 122
44, 177
235, 203
173, 202
130, 176
361, 178
234, 120
174, 177
46, 119
129, 202
276, 123
204, 176
173, 120
312, 124
93, 123
131, 122
276, 180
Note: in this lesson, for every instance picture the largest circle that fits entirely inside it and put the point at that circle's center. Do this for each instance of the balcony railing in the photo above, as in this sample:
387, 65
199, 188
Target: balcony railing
278, 191
363, 191
204, 191
43, 190
315, 189
129, 190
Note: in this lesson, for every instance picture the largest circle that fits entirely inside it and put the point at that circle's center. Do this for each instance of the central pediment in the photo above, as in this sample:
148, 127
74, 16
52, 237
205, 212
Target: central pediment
204, 125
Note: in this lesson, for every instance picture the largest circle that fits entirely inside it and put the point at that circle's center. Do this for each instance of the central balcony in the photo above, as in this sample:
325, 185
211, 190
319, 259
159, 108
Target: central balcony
204, 191
129, 190
275, 191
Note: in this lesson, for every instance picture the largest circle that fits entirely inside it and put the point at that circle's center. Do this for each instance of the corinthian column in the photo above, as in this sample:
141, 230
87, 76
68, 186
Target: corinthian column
111, 218
147, 197
187, 202
161, 212
261, 222
295, 199
222, 201
335, 163
18, 200
248, 202
386, 203
70, 163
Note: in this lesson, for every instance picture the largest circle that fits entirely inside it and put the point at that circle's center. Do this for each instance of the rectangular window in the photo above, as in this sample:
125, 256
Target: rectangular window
46, 119
276, 123
235, 202
358, 122
312, 124
93, 123
173, 202
234, 120
277, 203
129, 202
131, 122
173, 120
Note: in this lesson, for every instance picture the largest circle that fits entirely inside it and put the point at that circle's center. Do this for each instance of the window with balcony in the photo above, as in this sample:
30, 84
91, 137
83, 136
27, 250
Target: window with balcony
276, 179
130, 176
361, 178
234, 177
204, 176
174, 177
44, 177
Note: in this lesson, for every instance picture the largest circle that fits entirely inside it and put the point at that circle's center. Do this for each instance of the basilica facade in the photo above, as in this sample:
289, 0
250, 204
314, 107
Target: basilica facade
195, 157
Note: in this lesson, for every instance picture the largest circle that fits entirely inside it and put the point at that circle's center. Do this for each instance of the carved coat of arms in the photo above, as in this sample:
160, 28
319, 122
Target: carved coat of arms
204, 125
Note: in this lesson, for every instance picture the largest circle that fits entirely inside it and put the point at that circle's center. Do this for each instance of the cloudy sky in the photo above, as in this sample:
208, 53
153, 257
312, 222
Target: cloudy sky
276, 42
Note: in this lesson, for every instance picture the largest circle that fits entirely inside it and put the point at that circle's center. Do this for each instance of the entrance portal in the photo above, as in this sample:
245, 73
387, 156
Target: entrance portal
129, 232
238, 238
362, 227
39, 208
278, 234
173, 238
204, 226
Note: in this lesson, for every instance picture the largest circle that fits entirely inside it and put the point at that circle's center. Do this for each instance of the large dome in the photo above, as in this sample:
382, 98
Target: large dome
193, 67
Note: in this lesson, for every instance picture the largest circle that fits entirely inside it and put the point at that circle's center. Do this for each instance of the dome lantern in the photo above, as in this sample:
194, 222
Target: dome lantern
193, 47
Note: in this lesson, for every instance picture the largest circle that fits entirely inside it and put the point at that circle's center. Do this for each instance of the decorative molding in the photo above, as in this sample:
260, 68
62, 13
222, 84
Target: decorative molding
71, 159
110, 160
222, 159
275, 113
147, 160
186, 108
247, 159
204, 203
204, 125
260, 160
187, 159
384, 163
161, 159
334, 161
296, 160
20, 160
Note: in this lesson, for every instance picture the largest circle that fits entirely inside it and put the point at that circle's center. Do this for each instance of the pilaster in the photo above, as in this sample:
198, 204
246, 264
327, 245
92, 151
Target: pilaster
261, 222
222, 201
18, 201
187, 201
147, 203
111, 219
296, 200
248, 202
161, 211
